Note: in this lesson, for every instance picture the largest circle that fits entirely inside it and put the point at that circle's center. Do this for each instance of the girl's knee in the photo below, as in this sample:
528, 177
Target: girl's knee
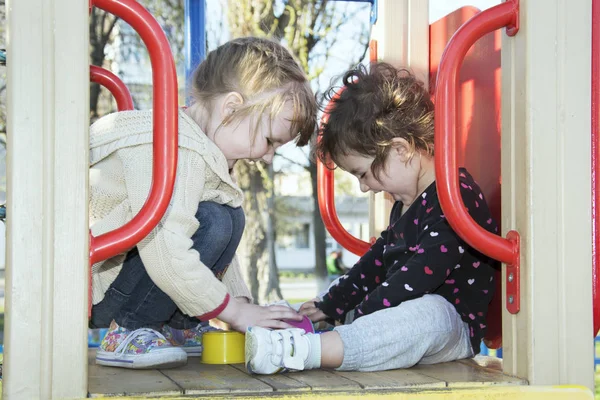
215, 221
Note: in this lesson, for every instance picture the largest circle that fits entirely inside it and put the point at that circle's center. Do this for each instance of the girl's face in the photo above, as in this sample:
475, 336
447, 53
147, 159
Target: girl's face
244, 138
400, 176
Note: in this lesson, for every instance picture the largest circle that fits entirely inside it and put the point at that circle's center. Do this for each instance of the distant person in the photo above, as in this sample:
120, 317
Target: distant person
420, 294
335, 265
250, 97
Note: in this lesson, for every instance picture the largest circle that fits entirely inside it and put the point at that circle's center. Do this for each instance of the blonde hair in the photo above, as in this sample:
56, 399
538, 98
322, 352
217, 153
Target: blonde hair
376, 106
266, 75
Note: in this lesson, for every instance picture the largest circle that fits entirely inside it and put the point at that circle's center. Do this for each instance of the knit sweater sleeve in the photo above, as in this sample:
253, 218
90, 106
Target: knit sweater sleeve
167, 253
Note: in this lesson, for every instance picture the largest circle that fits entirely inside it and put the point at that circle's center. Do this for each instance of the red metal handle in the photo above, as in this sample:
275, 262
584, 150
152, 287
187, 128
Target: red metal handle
325, 193
596, 161
446, 168
114, 85
165, 132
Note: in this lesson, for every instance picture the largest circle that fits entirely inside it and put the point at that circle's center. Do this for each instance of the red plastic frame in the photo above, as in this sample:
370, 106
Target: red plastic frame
596, 161
114, 85
165, 132
446, 168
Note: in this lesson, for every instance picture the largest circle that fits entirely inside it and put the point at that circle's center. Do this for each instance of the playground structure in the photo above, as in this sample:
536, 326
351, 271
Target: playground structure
549, 90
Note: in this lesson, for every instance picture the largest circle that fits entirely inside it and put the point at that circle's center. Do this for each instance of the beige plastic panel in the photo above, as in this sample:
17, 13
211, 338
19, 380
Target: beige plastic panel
546, 191
47, 170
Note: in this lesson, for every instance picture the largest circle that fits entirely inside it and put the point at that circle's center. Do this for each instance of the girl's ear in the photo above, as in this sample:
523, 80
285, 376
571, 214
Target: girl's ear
231, 102
402, 149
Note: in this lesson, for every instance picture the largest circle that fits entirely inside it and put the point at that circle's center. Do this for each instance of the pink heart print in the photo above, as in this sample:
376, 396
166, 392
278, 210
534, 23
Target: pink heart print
416, 221
339, 311
386, 303
443, 249
404, 268
476, 264
378, 263
428, 270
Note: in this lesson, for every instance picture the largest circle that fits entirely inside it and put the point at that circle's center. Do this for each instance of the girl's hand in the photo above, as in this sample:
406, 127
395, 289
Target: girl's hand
217, 323
240, 316
311, 311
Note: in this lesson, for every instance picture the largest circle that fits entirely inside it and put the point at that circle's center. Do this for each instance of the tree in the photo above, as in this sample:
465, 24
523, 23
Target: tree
112, 39
102, 32
309, 29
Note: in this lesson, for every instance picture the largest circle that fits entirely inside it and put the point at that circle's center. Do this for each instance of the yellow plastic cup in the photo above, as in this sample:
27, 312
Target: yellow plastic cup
223, 347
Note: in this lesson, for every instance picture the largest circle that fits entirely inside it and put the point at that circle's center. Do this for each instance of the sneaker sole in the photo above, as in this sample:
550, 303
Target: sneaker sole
193, 351
252, 350
162, 358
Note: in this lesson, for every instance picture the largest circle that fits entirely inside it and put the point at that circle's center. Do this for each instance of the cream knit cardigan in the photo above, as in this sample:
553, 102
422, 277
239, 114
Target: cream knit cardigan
120, 178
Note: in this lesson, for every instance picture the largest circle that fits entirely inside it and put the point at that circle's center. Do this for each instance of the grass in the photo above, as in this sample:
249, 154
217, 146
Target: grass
296, 275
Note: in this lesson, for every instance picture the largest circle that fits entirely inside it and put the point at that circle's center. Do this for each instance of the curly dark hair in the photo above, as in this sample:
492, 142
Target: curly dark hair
373, 107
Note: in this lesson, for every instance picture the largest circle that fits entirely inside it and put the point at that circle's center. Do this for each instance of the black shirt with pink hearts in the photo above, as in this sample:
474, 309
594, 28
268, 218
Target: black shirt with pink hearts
419, 254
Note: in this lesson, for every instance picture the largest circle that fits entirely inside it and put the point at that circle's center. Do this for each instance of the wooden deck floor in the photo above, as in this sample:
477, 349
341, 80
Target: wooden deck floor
197, 379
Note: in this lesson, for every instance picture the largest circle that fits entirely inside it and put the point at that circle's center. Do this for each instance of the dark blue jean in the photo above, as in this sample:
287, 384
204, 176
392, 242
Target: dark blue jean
134, 301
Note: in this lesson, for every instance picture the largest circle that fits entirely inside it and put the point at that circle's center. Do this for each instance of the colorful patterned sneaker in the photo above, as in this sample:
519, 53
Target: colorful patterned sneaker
141, 348
272, 351
189, 340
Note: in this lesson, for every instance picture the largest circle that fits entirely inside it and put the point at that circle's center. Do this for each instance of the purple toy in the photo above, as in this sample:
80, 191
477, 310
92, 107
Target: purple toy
305, 324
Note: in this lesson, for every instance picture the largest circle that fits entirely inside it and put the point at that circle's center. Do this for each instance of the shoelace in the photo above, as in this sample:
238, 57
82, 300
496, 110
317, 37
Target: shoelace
142, 333
286, 354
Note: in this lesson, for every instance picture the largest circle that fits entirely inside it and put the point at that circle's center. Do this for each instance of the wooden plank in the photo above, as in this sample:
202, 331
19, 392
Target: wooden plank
458, 374
394, 379
493, 363
279, 382
323, 380
198, 378
109, 381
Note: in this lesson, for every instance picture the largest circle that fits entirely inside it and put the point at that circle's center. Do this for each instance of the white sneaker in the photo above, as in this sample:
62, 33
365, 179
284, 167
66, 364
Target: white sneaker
141, 348
269, 352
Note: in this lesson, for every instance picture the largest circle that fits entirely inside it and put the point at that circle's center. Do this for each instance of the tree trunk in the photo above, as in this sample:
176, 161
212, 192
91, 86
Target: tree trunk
102, 25
272, 291
319, 235
254, 240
